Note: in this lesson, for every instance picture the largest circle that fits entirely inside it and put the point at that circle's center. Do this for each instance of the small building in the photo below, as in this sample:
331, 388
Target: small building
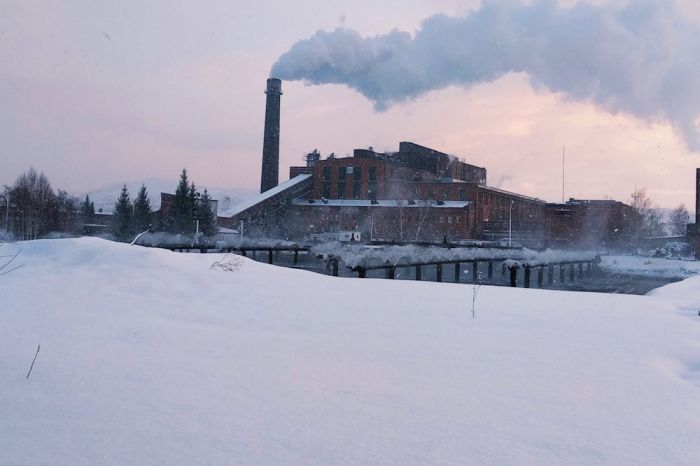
588, 224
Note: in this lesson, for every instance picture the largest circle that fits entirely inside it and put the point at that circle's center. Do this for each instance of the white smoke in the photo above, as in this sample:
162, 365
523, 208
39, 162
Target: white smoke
642, 58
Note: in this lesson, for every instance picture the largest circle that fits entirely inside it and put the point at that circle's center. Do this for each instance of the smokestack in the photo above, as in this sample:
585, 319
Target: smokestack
271, 141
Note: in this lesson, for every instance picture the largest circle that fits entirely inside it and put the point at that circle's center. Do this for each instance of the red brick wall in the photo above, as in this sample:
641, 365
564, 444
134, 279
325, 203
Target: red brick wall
390, 223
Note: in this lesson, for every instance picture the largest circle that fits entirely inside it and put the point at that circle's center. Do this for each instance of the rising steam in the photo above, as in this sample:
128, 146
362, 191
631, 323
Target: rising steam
642, 58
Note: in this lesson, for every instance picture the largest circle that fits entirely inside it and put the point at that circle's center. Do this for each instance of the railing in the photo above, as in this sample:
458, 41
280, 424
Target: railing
506, 265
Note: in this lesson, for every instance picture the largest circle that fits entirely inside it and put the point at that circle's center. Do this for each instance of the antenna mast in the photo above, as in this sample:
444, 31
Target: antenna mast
563, 165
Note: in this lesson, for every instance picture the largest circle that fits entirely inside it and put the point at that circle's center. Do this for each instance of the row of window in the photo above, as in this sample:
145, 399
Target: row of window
356, 175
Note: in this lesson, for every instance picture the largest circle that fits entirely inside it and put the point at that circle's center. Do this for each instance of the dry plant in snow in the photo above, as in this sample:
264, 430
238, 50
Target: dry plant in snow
229, 263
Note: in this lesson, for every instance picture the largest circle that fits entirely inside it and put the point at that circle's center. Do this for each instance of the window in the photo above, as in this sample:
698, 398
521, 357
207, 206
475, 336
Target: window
356, 182
372, 189
326, 181
341, 182
373, 173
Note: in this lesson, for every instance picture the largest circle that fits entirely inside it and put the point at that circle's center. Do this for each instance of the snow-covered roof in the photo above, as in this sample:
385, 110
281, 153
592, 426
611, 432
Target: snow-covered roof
380, 203
251, 201
510, 193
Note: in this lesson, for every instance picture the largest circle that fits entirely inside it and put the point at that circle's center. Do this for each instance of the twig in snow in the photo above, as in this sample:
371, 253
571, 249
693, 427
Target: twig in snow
33, 360
475, 290
13, 257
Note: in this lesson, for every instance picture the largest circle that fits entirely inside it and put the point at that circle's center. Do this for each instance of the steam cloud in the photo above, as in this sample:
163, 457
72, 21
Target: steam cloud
642, 58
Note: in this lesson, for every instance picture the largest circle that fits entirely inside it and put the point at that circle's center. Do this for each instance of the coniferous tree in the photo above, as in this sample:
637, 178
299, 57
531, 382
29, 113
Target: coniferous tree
123, 216
87, 210
193, 204
142, 211
87, 214
207, 218
181, 214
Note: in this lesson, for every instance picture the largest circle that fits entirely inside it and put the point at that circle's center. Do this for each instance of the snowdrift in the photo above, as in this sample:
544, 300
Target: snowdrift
150, 357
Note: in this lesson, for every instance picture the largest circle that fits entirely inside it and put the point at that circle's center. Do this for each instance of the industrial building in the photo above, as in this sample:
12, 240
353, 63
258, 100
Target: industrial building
585, 224
413, 194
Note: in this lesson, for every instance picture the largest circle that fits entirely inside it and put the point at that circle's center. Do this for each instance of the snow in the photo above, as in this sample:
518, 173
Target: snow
353, 255
153, 357
650, 267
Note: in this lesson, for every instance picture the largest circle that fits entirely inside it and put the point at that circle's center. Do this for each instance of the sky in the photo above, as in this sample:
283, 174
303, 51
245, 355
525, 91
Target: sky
96, 92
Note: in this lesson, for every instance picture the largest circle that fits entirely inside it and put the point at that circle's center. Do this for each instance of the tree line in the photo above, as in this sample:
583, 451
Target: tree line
654, 223
33, 210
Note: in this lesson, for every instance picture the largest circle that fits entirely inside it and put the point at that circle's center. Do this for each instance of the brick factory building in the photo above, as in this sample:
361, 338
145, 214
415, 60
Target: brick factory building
415, 194
583, 224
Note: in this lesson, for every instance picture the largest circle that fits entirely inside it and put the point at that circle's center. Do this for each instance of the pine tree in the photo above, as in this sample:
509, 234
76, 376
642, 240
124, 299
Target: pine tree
207, 219
181, 214
87, 210
123, 216
87, 214
143, 214
193, 204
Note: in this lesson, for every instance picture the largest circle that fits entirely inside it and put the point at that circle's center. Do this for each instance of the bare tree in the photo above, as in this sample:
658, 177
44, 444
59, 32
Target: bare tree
422, 215
678, 220
640, 202
33, 199
401, 206
652, 219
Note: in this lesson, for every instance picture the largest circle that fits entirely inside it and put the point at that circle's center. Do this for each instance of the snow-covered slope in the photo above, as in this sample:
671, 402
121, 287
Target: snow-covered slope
150, 357
106, 197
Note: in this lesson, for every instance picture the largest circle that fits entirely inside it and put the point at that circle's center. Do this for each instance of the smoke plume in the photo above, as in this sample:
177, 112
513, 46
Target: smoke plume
641, 58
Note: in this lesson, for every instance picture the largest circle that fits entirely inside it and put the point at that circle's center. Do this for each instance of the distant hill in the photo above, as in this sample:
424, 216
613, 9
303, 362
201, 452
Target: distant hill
105, 198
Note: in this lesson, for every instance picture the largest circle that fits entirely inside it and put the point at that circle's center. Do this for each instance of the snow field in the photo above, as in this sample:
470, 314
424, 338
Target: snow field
150, 357
652, 267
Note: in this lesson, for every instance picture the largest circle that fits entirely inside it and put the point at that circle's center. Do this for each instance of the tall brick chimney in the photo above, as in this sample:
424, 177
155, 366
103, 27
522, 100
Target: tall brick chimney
696, 228
697, 198
271, 141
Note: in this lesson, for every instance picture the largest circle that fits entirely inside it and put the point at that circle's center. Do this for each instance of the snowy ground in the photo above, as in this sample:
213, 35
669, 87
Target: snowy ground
650, 267
151, 358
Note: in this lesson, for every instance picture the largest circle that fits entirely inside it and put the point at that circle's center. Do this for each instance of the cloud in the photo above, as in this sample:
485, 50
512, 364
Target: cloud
639, 58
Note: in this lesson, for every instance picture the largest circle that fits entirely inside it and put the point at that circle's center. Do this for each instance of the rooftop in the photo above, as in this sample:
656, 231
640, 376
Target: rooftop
252, 201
